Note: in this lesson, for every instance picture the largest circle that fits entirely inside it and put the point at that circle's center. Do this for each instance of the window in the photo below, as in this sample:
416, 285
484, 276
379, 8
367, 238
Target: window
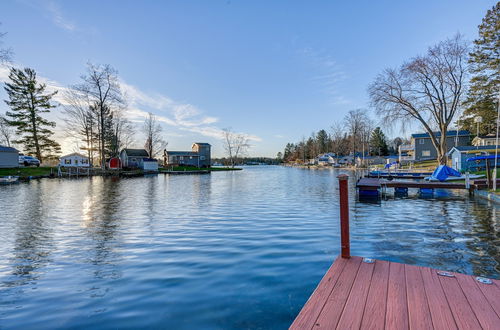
181, 158
67, 161
202, 157
421, 141
426, 153
84, 161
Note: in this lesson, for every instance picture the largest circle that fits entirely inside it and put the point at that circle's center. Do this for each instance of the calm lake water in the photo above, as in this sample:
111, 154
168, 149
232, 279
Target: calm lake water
230, 250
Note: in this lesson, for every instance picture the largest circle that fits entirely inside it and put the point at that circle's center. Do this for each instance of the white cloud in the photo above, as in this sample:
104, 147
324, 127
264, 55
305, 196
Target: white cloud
330, 74
183, 116
58, 18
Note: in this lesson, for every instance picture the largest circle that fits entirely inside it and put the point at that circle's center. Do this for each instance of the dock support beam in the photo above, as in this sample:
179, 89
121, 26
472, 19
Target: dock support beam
344, 216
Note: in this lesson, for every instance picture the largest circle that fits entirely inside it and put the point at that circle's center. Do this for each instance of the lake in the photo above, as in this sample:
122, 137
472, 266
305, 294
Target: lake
229, 250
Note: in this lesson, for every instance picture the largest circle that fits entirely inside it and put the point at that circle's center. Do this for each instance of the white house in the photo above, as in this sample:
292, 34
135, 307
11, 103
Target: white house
74, 160
150, 165
327, 159
9, 157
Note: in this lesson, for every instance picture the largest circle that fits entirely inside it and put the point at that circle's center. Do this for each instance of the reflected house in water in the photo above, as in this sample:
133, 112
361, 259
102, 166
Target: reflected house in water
199, 156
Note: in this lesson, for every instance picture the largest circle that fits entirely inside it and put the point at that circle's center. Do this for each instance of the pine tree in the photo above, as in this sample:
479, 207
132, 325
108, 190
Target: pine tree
378, 142
483, 94
28, 101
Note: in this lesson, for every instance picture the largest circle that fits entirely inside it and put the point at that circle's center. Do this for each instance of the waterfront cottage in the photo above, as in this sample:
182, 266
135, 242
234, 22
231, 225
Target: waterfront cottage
459, 156
421, 147
199, 156
9, 157
486, 140
327, 159
74, 160
133, 158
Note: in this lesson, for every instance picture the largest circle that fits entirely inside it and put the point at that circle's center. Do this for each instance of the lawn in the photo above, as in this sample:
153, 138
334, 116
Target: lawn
27, 171
194, 168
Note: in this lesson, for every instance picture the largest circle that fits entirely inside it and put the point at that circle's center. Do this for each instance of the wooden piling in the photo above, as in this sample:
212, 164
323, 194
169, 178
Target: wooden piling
344, 216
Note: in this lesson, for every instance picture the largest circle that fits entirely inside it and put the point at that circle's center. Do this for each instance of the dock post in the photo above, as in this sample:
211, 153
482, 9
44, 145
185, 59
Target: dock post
344, 216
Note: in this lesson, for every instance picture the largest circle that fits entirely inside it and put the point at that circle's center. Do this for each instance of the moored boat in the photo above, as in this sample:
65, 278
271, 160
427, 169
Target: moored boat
9, 179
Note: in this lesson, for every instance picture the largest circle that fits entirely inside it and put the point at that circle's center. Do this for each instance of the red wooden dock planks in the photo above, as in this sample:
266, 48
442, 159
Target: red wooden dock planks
354, 294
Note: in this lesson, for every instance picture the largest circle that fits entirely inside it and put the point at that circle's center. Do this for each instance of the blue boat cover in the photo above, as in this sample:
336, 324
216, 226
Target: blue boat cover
482, 158
443, 171
390, 164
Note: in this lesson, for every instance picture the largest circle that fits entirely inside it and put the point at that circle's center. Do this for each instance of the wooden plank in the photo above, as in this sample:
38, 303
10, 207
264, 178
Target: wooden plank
492, 292
462, 312
374, 313
353, 311
441, 315
334, 306
482, 308
316, 302
396, 316
419, 315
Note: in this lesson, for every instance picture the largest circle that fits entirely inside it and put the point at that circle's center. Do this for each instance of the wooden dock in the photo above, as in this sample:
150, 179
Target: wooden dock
361, 293
374, 183
387, 295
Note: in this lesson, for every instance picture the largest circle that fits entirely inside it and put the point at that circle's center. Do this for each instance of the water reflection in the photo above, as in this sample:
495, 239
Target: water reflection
211, 251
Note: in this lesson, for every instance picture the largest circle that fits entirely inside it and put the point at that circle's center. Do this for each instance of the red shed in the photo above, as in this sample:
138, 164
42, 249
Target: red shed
115, 163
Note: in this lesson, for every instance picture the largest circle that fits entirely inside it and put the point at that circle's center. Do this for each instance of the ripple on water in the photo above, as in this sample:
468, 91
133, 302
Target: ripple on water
226, 250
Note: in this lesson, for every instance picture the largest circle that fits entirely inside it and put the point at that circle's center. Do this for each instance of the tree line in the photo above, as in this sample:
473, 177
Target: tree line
354, 135
448, 86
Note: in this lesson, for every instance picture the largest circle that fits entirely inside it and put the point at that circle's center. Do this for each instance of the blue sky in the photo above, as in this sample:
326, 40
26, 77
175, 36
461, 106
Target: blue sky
275, 70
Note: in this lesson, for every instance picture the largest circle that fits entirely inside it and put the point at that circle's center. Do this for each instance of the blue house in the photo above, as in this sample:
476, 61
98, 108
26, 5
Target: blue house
421, 147
459, 155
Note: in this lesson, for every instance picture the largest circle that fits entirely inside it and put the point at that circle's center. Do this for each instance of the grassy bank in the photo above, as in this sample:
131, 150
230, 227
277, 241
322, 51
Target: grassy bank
25, 172
194, 168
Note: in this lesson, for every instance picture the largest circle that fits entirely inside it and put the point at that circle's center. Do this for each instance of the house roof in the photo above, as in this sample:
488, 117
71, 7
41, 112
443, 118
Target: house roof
74, 154
202, 143
464, 149
438, 134
182, 153
8, 149
136, 152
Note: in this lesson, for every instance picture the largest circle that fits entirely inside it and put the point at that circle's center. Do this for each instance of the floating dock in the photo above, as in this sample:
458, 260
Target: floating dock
363, 293
387, 295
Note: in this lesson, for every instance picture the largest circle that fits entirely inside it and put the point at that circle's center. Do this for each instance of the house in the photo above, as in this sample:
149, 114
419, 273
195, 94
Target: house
421, 147
133, 158
327, 159
9, 157
199, 156
345, 160
486, 140
459, 155
74, 160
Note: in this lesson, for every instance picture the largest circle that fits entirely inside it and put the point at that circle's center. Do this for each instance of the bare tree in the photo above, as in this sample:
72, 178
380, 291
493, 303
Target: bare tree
80, 121
6, 132
428, 89
340, 145
101, 87
155, 144
122, 134
358, 127
235, 144
5, 53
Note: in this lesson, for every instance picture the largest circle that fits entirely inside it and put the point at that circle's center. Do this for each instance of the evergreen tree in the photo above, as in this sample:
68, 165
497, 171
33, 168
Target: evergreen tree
323, 141
378, 143
485, 69
28, 101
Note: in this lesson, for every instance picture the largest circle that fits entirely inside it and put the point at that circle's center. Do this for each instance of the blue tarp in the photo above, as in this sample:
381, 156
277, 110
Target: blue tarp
443, 171
390, 164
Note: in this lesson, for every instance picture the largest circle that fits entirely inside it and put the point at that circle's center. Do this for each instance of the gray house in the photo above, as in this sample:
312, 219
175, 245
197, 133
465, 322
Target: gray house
459, 156
133, 158
421, 147
9, 157
199, 156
